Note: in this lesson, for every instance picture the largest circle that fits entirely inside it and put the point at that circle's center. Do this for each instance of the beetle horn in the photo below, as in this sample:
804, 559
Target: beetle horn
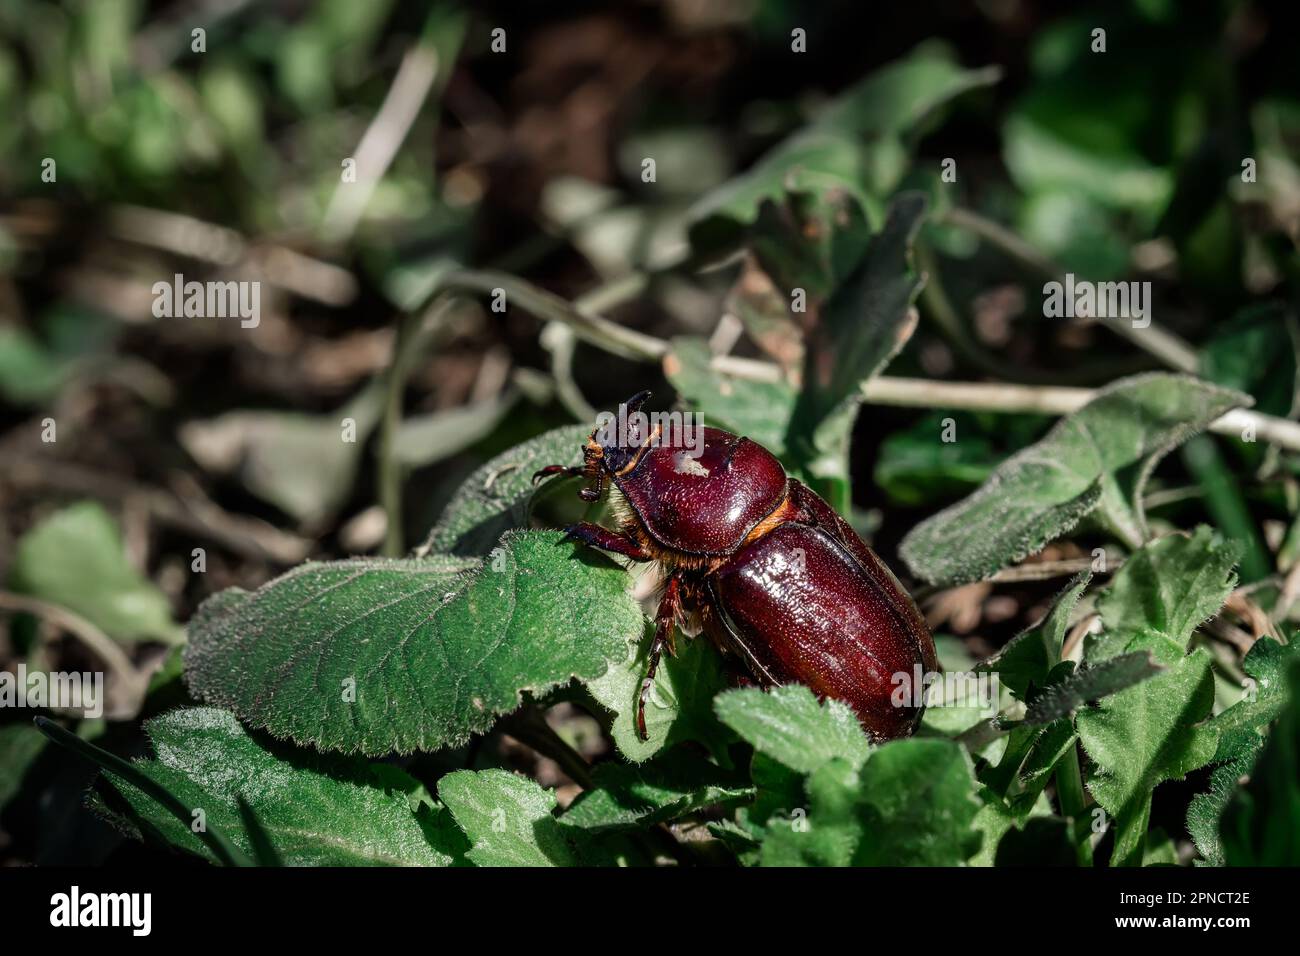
637, 400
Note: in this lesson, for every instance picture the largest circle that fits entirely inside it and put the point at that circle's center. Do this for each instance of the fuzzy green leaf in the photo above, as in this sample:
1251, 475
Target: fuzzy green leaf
508, 819
1241, 738
855, 145
1267, 692
1096, 459
1144, 736
326, 811
911, 804
381, 656
635, 797
1090, 683
1238, 753
1024, 663
791, 726
498, 495
680, 703
1162, 593
1261, 824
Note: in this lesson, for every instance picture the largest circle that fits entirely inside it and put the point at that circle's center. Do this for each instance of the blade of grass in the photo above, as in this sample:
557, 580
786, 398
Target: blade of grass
1224, 501
225, 851
264, 851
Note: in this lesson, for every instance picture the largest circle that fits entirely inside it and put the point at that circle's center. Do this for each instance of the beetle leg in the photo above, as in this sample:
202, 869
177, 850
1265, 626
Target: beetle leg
665, 620
606, 540
591, 494
565, 470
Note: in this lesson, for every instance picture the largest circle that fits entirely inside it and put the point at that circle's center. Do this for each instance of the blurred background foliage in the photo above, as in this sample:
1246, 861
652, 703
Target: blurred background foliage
227, 163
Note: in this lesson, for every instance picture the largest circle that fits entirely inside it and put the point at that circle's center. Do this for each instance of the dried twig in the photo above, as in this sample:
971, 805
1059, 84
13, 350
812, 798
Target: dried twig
383, 137
882, 390
188, 509
96, 641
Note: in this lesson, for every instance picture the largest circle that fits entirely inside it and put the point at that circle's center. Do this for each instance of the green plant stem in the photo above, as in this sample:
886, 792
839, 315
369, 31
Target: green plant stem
390, 470
1224, 501
1074, 802
415, 333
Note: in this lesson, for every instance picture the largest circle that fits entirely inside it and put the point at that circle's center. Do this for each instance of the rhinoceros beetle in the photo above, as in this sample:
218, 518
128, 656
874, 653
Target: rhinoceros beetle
779, 580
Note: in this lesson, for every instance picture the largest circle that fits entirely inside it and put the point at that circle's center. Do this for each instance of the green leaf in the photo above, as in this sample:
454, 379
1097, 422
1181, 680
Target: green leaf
827, 830
863, 325
425, 439
498, 495
1089, 683
1160, 849
1267, 693
1162, 593
1256, 352
779, 790
1014, 788
1241, 729
262, 847
809, 241
1024, 664
1041, 161
635, 797
213, 837
317, 811
508, 819
680, 706
911, 804
916, 467
757, 410
30, 372
790, 725
76, 559
1238, 752
1144, 736
303, 464
1047, 747
856, 145
1261, 824
381, 656
1097, 459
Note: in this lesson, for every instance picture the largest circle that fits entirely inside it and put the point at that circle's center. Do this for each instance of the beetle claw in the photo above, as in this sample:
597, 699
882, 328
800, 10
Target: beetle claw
549, 470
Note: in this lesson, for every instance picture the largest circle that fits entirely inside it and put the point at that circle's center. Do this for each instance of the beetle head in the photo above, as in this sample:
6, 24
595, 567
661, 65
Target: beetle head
618, 439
